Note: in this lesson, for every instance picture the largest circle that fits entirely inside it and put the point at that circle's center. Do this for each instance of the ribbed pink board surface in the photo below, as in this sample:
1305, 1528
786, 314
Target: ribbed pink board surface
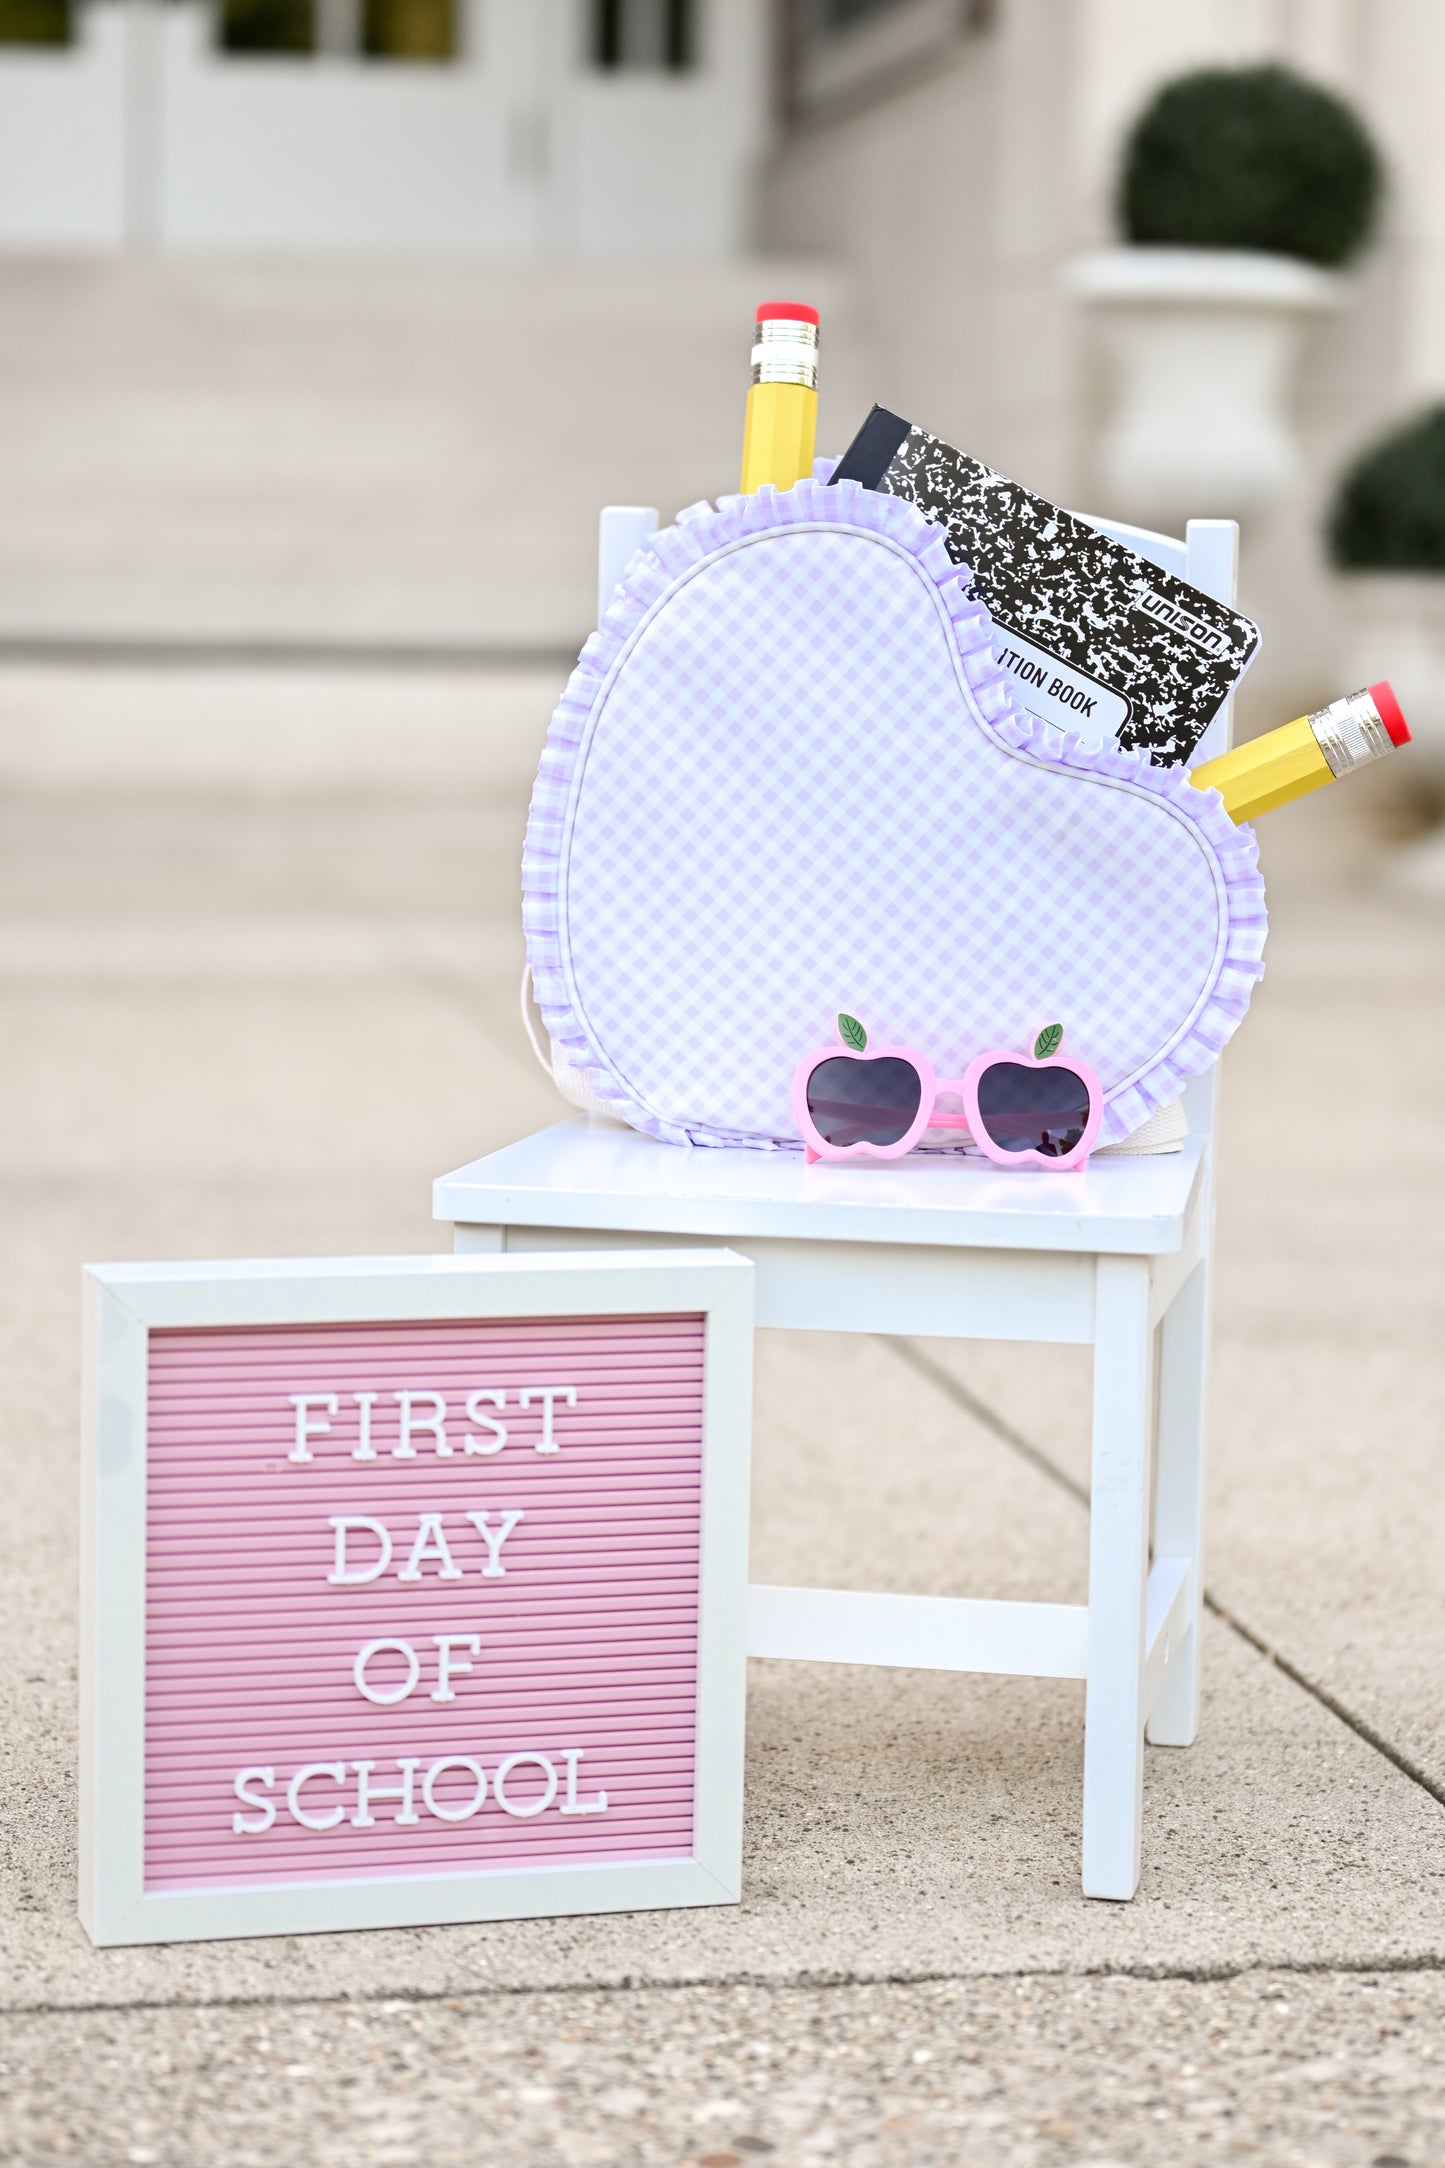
587, 1623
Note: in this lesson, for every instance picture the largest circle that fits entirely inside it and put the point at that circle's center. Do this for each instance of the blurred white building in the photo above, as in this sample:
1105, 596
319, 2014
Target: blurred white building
492, 128
572, 167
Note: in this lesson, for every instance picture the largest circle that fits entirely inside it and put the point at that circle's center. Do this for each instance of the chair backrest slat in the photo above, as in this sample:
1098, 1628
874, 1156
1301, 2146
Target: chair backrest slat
1208, 558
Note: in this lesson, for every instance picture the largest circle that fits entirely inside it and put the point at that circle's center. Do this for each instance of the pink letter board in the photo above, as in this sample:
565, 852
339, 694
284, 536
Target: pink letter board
414, 1590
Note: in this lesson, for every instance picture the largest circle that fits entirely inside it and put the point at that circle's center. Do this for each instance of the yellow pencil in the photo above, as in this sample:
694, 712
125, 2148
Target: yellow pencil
782, 418
1306, 754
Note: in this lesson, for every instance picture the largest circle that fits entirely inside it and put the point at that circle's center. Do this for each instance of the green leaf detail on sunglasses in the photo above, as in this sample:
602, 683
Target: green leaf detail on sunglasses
851, 1032
1049, 1040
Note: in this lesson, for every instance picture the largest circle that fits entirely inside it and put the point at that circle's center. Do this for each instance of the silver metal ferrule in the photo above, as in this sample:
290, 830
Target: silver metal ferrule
1350, 734
785, 351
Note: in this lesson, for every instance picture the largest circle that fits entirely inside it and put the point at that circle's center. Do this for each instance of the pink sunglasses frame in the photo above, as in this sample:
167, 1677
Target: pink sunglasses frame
965, 1087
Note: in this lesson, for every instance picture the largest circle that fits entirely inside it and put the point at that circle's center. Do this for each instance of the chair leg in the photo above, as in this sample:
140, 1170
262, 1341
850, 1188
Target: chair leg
1179, 1492
1118, 1576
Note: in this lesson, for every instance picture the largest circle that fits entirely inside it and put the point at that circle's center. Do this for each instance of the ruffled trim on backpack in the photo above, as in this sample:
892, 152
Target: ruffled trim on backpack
669, 558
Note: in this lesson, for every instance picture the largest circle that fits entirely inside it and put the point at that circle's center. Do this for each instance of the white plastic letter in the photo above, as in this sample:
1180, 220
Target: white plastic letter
250, 1798
548, 1395
344, 1575
411, 1422
447, 1663
309, 1426
476, 1414
439, 1768
336, 1770
430, 1543
397, 1693
533, 1806
366, 1791
572, 1804
363, 1448
494, 1538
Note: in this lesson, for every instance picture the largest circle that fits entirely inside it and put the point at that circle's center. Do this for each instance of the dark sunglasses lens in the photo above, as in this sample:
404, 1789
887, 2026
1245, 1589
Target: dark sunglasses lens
864, 1102
1033, 1110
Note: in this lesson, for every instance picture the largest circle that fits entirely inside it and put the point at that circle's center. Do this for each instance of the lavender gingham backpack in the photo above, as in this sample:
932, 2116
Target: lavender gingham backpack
787, 778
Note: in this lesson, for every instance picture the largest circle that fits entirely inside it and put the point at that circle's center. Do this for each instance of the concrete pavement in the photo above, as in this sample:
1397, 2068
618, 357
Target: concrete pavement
253, 1003
1296, 2071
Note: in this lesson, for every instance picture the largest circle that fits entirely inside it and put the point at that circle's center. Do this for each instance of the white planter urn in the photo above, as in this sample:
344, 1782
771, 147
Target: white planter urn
1202, 345
1392, 625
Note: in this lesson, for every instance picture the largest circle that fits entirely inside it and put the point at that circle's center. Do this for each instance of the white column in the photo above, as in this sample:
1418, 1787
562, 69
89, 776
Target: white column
338, 28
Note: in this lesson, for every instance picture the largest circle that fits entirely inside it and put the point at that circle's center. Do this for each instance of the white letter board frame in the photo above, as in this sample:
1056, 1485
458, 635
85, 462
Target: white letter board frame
123, 1303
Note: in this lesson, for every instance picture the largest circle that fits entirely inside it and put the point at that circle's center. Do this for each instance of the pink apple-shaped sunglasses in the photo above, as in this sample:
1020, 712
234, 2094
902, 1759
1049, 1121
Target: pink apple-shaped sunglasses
1039, 1110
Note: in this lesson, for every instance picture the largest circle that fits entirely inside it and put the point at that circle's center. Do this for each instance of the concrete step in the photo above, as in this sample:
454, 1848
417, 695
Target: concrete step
387, 455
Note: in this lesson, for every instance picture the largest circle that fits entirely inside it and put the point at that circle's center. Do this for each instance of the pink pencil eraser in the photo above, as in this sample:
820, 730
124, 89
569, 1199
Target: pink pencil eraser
793, 312
1388, 709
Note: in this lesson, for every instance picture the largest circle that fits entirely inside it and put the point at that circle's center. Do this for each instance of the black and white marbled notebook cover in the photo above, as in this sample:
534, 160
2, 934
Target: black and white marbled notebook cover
1093, 635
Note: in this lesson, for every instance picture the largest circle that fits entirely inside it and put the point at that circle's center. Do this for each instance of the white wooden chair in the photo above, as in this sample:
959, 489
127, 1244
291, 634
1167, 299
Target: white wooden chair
1118, 1257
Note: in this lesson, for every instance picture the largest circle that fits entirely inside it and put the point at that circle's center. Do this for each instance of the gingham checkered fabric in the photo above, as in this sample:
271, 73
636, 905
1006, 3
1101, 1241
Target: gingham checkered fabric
788, 779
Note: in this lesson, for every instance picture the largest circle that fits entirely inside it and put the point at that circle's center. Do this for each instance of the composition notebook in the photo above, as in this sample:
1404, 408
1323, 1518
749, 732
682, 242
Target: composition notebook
1093, 635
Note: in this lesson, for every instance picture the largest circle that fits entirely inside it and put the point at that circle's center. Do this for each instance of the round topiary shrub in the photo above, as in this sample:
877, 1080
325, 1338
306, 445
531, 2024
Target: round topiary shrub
1389, 510
1250, 158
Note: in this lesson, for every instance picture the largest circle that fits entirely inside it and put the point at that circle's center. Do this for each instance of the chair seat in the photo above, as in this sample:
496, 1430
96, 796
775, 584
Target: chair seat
591, 1173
